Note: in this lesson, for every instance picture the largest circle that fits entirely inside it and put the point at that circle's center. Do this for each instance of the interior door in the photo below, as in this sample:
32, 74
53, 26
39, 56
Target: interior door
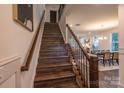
53, 16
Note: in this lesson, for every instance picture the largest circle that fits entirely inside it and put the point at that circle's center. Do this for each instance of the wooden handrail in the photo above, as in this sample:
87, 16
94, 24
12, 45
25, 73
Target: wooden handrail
31, 52
75, 37
86, 64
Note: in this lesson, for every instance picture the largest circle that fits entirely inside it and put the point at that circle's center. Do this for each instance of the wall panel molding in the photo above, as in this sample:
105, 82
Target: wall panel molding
8, 67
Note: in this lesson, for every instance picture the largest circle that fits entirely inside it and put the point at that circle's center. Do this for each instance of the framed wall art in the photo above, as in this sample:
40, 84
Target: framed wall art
23, 14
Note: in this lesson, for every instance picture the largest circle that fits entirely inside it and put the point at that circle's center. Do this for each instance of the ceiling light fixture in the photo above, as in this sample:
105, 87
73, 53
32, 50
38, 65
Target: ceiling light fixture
105, 38
70, 25
102, 25
89, 32
100, 38
77, 24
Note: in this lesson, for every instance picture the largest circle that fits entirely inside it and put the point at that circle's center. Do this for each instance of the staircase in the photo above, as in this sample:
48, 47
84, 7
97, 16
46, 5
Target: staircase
54, 69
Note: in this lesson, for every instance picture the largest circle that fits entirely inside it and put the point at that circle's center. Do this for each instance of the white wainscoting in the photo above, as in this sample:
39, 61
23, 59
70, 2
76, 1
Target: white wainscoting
121, 67
10, 72
121, 50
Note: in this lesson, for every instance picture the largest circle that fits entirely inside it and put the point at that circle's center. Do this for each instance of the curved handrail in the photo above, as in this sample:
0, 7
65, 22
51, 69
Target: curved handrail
30, 55
75, 37
86, 65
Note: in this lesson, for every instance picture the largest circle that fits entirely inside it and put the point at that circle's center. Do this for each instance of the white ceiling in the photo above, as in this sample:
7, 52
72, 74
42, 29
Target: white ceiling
53, 6
93, 17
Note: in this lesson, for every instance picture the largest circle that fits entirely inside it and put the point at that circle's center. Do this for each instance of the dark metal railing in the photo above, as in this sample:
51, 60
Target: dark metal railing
86, 64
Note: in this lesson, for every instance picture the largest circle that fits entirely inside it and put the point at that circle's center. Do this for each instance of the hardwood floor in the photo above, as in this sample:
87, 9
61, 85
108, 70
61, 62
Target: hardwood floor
109, 79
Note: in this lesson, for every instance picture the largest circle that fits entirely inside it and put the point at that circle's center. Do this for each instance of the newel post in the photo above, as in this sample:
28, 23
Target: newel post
94, 72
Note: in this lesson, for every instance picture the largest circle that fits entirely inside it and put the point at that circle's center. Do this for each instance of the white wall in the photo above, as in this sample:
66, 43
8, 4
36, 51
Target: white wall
121, 43
16, 40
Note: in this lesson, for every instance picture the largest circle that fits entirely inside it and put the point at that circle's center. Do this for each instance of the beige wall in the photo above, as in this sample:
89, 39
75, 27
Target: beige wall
106, 44
62, 22
16, 40
62, 25
121, 44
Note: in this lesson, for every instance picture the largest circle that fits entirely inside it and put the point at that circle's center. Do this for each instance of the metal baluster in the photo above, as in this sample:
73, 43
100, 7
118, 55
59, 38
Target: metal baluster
83, 61
78, 57
75, 51
86, 74
81, 58
84, 69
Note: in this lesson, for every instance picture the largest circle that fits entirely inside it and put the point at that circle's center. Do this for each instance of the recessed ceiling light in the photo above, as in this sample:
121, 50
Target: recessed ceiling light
70, 25
102, 25
77, 24
105, 38
89, 33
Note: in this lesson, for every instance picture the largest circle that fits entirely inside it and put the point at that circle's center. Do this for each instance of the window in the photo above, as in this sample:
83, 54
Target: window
95, 45
114, 41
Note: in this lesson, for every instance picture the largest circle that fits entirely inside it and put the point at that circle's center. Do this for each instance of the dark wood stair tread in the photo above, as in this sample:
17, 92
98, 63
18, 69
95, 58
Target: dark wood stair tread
52, 43
65, 84
52, 40
53, 50
53, 76
57, 46
54, 60
52, 54
52, 34
47, 37
57, 64
54, 68
54, 57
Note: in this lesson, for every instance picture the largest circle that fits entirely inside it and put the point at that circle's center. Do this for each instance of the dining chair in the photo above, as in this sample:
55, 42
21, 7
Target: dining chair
107, 58
115, 57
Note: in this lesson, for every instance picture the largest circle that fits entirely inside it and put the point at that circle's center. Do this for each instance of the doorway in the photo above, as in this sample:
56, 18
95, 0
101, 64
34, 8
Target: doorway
53, 16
